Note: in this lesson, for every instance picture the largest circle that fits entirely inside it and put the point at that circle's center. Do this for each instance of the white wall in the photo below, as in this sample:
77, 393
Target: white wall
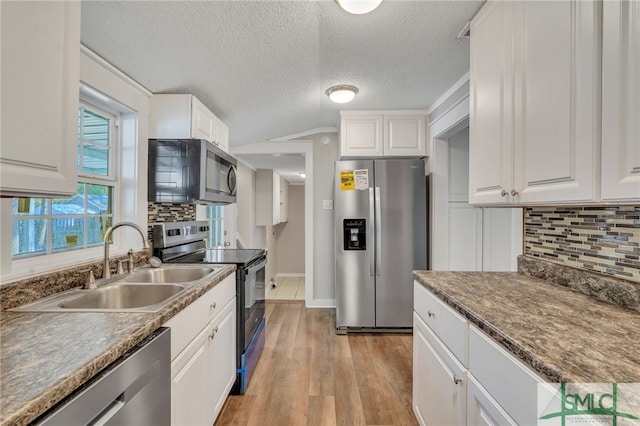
324, 158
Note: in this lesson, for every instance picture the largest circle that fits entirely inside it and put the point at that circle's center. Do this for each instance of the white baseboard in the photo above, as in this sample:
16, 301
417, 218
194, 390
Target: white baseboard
321, 303
290, 274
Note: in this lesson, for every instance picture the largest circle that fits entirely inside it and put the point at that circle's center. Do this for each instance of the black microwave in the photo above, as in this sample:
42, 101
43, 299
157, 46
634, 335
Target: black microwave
190, 171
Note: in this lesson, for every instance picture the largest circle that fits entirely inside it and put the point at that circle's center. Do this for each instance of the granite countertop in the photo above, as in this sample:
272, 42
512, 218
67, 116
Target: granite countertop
564, 335
45, 356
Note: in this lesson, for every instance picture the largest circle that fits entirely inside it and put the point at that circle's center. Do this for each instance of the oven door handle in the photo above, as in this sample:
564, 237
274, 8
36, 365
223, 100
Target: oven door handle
261, 264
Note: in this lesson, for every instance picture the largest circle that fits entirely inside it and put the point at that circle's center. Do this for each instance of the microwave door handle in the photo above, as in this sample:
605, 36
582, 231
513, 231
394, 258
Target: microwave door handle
231, 179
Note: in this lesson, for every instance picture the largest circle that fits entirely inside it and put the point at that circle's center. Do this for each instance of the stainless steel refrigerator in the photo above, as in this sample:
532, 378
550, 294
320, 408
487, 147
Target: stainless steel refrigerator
380, 217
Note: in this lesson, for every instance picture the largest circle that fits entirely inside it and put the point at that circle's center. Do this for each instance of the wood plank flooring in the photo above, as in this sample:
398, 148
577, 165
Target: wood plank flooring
308, 375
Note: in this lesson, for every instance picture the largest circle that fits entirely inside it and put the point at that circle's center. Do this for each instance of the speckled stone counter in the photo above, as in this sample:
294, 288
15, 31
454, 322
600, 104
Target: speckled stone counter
45, 356
564, 335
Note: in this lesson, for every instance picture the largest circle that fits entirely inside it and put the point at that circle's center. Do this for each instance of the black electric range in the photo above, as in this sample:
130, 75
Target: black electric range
184, 242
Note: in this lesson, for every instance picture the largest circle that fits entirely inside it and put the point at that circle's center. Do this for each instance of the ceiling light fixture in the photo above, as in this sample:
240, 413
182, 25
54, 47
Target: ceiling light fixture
342, 94
302, 174
359, 7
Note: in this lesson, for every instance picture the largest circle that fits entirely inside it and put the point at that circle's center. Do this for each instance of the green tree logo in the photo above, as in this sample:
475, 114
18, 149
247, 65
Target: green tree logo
591, 406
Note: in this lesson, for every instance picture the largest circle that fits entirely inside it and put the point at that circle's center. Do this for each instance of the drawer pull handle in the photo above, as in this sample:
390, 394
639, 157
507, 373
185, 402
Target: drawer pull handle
456, 379
213, 333
504, 193
431, 314
213, 305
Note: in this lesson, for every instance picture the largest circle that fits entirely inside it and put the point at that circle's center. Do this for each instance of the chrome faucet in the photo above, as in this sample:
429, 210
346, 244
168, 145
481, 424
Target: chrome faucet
107, 236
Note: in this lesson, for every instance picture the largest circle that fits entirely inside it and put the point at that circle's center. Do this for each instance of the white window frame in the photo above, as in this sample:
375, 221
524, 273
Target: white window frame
22, 262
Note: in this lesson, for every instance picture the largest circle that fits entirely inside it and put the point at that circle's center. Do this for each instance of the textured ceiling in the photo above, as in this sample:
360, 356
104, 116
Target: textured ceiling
263, 66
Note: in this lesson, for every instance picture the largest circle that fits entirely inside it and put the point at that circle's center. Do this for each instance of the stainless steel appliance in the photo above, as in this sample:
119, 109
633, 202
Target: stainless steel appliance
133, 390
184, 242
190, 171
381, 237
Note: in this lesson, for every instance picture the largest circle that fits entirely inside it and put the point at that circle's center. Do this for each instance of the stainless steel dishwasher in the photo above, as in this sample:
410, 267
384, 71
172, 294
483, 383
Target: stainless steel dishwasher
133, 390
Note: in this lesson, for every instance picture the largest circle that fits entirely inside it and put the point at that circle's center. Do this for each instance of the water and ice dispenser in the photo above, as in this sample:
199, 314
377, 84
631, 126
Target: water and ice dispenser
355, 236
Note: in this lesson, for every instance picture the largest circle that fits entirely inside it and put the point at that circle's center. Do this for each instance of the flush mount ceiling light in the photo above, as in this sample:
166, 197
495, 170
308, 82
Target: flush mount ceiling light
342, 94
302, 174
359, 7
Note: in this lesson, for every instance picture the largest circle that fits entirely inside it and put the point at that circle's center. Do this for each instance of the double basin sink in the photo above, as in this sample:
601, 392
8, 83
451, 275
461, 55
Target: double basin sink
145, 290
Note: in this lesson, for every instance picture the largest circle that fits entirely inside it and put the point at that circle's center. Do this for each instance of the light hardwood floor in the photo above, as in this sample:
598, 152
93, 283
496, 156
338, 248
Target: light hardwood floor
308, 375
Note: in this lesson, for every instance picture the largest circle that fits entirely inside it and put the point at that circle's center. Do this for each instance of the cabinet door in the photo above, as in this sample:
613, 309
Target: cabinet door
203, 374
40, 94
190, 392
284, 200
556, 106
439, 382
490, 115
482, 409
224, 355
621, 101
202, 121
361, 135
404, 135
276, 197
222, 135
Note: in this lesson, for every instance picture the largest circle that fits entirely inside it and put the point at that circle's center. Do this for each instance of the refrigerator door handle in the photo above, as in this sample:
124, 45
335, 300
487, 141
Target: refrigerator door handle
378, 235
372, 232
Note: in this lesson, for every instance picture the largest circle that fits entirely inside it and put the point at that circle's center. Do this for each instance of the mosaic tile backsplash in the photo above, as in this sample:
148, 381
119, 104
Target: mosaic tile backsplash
604, 239
169, 212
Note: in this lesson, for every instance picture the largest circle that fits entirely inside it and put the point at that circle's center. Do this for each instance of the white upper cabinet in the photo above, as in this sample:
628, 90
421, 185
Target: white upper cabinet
556, 106
284, 200
40, 94
383, 134
534, 103
270, 198
361, 135
203, 122
491, 115
621, 101
185, 117
404, 135
221, 135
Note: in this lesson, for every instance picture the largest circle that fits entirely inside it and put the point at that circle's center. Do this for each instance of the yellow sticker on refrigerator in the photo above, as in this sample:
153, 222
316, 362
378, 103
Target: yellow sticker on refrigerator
347, 180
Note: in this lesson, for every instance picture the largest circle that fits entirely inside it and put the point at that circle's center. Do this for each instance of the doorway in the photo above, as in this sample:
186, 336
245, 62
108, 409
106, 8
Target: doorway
294, 234
289, 283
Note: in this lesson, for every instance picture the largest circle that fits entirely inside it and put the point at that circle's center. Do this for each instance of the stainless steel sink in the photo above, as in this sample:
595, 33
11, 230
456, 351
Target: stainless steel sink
169, 275
145, 290
123, 296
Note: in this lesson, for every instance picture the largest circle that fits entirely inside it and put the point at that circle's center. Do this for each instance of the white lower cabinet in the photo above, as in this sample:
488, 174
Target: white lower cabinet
438, 379
203, 371
482, 409
495, 389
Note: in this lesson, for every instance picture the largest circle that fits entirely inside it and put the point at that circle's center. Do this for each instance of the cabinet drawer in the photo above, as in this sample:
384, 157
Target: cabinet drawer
447, 324
507, 379
190, 321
